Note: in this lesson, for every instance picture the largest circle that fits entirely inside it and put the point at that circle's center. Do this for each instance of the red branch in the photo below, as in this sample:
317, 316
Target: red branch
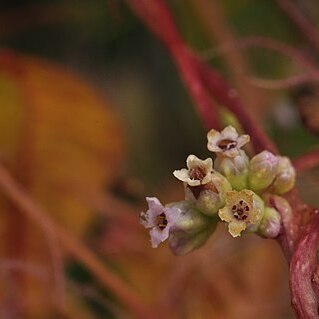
214, 82
158, 19
268, 43
307, 161
304, 25
202, 81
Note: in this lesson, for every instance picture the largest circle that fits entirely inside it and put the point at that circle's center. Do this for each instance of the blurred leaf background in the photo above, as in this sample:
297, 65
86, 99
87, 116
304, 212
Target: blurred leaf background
93, 117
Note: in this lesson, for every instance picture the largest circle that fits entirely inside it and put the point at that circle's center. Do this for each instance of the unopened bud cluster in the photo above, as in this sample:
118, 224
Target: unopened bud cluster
232, 189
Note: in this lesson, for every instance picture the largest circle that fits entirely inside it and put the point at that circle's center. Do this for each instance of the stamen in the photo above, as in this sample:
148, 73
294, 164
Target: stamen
240, 210
161, 221
227, 145
197, 173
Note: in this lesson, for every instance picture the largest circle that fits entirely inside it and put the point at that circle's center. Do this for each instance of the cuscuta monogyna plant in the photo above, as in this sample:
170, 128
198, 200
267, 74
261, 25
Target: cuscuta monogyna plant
232, 191
284, 216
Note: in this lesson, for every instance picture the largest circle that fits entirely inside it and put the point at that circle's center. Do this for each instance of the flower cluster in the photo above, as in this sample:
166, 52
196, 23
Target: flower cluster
233, 188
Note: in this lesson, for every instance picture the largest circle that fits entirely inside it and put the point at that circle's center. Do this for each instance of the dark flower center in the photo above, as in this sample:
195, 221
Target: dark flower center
227, 145
161, 221
240, 210
197, 173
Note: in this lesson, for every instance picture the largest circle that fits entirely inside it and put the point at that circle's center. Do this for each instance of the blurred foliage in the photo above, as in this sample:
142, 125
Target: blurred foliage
64, 143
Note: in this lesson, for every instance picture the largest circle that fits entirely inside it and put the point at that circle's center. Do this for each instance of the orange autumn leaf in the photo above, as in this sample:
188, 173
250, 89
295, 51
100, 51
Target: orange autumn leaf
63, 142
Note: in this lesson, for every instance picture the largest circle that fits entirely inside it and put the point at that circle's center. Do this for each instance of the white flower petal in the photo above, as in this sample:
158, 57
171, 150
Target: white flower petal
193, 161
229, 133
213, 138
193, 182
182, 174
208, 164
154, 203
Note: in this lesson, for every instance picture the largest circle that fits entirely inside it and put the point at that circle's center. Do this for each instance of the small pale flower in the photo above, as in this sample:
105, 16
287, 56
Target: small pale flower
160, 219
227, 142
243, 210
198, 172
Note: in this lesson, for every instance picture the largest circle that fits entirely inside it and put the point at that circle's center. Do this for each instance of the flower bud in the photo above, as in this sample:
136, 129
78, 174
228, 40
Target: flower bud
283, 207
191, 230
270, 224
262, 171
209, 198
182, 243
190, 220
235, 169
285, 176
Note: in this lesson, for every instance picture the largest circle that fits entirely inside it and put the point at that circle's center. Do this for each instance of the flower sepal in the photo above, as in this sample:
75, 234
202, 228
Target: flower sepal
182, 243
190, 220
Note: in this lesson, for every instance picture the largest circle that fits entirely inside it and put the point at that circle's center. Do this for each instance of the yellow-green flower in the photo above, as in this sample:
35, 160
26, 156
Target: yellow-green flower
243, 210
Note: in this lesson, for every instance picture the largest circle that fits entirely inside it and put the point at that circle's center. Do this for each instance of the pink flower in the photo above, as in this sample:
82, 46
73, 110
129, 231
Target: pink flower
160, 219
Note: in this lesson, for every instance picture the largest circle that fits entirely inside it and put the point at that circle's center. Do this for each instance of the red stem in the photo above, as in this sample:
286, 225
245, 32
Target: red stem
303, 266
156, 16
307, 161
214, 82
201, 80
268, 43
305, 26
